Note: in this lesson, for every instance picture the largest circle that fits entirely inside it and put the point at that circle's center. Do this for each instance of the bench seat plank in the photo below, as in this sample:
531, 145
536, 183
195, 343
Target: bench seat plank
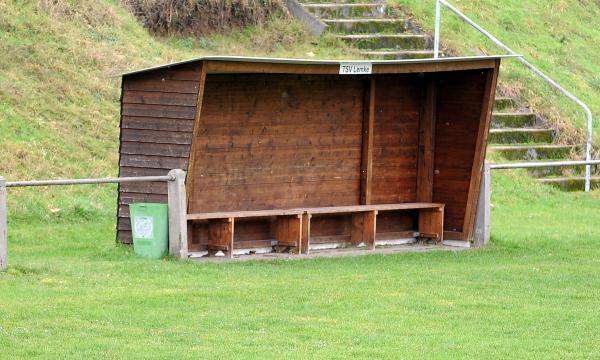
364, 208
243, 214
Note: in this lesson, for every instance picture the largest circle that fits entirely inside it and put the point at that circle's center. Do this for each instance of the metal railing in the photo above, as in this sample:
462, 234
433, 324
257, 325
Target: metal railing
176, 201
553, 83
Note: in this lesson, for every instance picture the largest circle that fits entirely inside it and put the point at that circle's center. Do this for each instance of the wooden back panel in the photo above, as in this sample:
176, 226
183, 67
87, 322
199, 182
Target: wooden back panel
396, 139
277, 141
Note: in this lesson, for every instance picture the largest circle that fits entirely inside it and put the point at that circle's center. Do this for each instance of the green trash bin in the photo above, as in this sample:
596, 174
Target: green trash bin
150, 229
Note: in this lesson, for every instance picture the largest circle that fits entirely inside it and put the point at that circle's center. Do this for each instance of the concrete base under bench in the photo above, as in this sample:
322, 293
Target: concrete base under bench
329, 253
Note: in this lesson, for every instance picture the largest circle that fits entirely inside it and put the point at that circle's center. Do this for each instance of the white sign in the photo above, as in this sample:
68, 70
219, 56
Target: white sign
143, 227
356, 68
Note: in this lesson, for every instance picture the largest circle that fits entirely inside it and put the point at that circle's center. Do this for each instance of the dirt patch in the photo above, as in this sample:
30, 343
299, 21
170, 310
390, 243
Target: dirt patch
201, 17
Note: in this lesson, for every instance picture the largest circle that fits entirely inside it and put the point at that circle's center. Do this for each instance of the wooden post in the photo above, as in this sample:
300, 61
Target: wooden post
482, 220
3, 225
364, 228
426, 155
305, 238
178, 237
367, 144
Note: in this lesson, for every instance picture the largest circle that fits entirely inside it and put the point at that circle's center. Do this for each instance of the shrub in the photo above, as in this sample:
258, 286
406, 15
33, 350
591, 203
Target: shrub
201, 17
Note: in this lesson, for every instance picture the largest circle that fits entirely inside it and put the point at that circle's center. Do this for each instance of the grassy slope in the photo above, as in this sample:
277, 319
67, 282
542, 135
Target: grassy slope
533, 293
560, 37
59, 105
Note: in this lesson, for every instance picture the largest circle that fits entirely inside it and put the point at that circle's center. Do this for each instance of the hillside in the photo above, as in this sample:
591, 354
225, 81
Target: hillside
59, 97
559, 37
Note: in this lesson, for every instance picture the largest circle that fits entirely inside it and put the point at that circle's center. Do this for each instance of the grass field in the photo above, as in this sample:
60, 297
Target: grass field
534, 292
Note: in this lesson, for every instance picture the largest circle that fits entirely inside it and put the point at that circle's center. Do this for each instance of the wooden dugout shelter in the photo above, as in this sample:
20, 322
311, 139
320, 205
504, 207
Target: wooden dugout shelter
295, 155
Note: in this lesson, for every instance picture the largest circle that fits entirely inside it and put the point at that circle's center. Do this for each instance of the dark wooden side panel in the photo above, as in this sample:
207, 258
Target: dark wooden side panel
157, 120
459, 104
396, 139
277, 141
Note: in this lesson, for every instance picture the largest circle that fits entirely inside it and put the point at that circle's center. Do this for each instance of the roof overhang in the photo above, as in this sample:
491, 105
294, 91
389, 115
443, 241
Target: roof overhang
286, 61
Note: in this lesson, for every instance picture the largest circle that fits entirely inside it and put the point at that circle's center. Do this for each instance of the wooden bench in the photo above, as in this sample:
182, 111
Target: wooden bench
221, 227
293, 226
364, 221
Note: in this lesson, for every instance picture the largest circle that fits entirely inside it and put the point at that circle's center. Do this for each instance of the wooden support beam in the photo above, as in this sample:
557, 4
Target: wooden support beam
305, 238
220, 237
480, 150
364, 226
366, 170
431, 224
289, 233
199, 102
427, 141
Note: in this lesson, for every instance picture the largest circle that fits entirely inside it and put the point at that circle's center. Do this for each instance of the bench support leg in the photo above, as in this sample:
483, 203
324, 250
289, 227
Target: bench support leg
289, 233
305, 237
364, 226
220, 237
431, 224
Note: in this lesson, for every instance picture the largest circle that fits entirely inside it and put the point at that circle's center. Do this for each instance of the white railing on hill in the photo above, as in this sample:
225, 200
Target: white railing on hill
553, 83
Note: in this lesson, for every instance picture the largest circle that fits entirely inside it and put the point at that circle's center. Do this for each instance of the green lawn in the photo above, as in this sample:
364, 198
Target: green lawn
533, 293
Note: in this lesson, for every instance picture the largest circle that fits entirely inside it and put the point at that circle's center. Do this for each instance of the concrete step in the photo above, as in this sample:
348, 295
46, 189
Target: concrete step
572, 183
333, 10
504, 104
532, 152
388, 41
398, 54
513, 120
366, 26
521, 136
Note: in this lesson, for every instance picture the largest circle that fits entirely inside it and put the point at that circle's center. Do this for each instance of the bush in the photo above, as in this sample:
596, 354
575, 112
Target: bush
201, 17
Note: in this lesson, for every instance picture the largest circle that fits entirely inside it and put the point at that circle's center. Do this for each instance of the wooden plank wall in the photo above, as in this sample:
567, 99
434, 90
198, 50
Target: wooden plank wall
395, 148
460, 98
157, 120
277, 141
396, 139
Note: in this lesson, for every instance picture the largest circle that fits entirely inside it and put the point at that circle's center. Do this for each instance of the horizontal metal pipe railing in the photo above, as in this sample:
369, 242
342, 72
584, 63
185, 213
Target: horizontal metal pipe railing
165, 178
527, 165
540, 73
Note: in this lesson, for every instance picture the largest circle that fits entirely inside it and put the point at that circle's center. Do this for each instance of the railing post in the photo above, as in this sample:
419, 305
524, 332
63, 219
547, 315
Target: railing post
178, 237
436, 41
3, 227
482, 221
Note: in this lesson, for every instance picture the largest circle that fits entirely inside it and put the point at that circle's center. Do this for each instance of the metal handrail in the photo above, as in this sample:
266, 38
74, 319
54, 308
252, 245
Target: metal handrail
553, 83
533, 165
134, 179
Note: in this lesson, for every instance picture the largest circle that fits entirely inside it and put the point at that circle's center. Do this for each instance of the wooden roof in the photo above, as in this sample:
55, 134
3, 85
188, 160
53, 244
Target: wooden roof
312, 66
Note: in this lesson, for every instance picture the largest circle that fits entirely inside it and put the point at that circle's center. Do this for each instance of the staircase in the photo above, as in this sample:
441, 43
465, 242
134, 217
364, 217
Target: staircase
380, 32
520, 135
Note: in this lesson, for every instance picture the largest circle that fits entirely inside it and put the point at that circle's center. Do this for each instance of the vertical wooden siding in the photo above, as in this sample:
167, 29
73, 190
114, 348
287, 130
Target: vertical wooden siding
157, 120
277, 141
459, 102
